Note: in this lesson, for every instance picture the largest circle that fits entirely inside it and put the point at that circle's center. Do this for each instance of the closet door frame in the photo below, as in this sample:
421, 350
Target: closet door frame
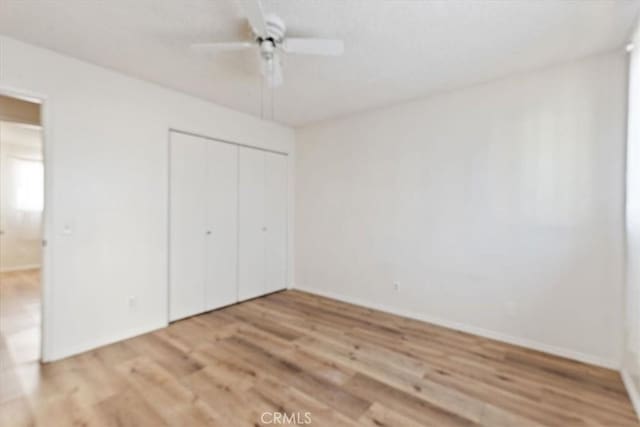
172, 131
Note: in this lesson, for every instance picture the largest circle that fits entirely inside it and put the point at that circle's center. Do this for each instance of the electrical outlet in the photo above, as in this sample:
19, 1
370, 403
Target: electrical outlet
131, 301
396, 286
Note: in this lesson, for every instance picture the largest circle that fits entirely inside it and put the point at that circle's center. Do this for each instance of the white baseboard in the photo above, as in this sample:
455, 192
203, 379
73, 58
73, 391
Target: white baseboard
634, 393
19, 268
93, 344
474, 330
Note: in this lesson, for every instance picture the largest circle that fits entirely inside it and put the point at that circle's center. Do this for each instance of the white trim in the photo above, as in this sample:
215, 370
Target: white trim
101, 342
20, 268
633, 392
474, 330
226, 141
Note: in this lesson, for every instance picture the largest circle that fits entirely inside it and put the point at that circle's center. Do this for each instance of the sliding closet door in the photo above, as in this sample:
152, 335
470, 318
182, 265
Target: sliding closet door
251, 250
275, 213
187, 222
222, 229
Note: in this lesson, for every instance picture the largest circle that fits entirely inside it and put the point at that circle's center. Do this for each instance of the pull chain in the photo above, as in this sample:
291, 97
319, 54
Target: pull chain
262, 97
271, 101
273, 110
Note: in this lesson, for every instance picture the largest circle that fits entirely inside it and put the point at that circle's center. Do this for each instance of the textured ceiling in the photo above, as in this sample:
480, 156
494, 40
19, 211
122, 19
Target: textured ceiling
395, 50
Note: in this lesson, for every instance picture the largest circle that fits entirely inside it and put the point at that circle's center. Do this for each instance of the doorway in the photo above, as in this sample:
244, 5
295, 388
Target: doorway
21, 237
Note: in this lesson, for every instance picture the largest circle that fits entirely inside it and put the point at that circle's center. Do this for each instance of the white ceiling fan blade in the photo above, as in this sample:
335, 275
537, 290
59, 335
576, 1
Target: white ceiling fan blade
313, 46
217, 47
255, 14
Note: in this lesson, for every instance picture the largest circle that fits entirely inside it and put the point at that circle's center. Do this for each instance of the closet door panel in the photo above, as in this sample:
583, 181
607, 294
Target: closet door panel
251, 250
275, 183
222, 229
187, 222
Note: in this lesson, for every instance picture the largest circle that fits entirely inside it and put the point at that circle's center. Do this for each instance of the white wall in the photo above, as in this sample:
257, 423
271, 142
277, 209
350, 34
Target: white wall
498, 208
21, 238
106, 158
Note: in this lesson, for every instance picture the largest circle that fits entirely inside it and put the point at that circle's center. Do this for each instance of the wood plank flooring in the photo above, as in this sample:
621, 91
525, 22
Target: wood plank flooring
303, 357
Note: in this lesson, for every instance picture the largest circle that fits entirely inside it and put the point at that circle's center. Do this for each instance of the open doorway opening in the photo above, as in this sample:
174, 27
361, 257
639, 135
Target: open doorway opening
21, 228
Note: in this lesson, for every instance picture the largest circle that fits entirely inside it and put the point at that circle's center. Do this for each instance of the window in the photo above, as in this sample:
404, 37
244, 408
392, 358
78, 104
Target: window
29, 179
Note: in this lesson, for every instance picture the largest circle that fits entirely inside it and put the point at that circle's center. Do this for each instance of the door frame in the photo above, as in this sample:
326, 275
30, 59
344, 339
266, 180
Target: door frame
46, 273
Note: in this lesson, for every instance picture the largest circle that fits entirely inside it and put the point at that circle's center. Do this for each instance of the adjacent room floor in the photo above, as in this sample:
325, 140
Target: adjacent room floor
294, 353
19, 336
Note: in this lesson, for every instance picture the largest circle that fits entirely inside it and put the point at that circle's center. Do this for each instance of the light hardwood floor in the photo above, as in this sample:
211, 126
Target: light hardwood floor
293, 353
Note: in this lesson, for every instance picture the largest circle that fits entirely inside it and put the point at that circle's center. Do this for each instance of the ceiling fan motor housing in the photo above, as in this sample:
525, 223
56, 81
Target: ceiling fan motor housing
276, 28
275, 34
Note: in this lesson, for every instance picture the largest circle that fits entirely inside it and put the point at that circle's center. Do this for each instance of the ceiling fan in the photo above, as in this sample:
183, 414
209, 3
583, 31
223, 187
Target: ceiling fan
269, 36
